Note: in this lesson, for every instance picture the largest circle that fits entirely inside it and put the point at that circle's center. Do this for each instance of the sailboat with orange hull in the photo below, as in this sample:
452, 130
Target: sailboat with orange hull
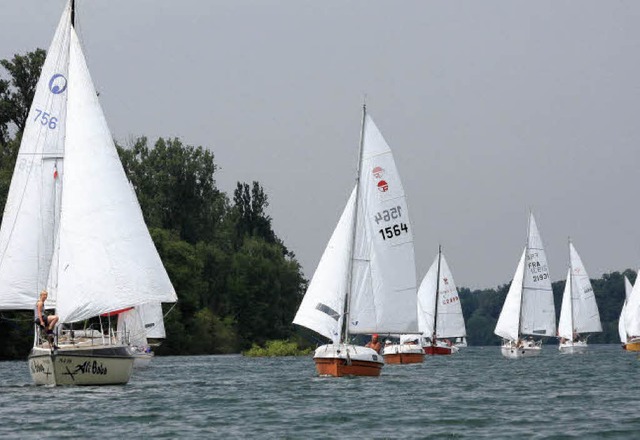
365, 282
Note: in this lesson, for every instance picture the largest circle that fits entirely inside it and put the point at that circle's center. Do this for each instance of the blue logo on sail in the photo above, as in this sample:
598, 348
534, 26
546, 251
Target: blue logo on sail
57, 84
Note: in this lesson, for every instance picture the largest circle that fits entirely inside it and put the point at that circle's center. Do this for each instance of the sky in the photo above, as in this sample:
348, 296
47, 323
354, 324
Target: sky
492, 108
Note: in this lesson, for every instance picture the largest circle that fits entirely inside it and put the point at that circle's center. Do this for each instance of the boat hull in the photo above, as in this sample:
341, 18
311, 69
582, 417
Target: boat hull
438, 349
338, 360
403, 354
632, 345
573, 347
511, 350
142, 360
110, 365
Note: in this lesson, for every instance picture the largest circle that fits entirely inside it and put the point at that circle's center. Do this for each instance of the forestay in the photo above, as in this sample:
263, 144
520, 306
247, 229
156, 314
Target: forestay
107, 260
538, 311
383, 289
31, 214
322, 307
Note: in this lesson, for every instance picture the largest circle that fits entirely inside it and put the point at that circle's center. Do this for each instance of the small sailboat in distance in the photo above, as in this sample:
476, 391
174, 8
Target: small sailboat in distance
622, 331
528, 309
439, 311
365, 282
632, 319
579, 311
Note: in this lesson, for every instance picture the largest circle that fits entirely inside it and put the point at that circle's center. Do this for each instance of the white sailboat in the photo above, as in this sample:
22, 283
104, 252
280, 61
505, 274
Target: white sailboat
632, 319
72, 225
579, 311
628, 288
528, 309
365, 282
140, 325
440, 316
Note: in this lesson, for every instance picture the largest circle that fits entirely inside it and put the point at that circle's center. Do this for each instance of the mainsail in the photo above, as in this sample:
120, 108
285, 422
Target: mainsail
383, 287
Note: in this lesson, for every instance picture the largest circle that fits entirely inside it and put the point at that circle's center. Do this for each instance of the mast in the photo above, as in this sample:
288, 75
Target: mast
526, 256
435, 310
345, 320
73, 13
570, 280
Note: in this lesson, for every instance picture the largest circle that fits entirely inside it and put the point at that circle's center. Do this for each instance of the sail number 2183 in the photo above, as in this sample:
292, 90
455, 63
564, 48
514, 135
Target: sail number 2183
394, 231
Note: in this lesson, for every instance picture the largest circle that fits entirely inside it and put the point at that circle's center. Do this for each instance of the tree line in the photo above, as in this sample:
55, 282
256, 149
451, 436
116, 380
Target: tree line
237, 282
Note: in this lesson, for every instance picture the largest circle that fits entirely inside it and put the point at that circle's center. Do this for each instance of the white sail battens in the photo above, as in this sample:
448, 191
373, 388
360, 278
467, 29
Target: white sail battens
383, 287
107, 260
450, 321
321, 309
538, 311
32, 209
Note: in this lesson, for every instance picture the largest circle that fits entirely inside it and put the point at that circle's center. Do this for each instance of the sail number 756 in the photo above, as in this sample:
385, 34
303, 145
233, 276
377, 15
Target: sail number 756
394, 231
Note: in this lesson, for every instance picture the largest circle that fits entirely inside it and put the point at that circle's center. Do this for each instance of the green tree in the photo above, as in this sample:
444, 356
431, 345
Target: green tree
25, 72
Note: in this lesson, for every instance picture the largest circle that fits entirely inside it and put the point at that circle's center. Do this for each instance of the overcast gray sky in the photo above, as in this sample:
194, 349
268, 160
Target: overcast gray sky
490, 107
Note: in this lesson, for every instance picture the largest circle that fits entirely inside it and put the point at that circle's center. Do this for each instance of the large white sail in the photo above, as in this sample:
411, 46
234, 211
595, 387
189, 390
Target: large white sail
632, 312
107, 260
628, 288
538, 315
31, 214
508, 324
565, 324
586, 318
383, 287
322, 307
449, 321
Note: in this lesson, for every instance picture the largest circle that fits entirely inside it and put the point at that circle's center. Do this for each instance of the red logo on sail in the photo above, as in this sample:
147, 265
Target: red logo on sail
446, 280
55, 172
383, 186
378, 172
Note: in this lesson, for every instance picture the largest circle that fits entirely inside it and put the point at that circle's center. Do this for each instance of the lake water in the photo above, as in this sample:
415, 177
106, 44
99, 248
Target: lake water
474, 394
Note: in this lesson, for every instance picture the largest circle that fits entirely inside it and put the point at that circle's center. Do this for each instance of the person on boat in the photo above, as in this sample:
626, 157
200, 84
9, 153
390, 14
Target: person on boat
374, 343
41, 318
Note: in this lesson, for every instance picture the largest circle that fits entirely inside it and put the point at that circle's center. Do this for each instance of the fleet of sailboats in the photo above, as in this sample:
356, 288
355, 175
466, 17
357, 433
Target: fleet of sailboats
579, 312
73, 226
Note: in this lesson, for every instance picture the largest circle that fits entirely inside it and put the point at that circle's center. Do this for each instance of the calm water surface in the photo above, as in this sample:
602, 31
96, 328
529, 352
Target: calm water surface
475, 394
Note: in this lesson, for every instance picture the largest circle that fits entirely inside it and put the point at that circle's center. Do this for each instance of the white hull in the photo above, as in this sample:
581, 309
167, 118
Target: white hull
402, 349
573, 347
97, 365
511, 350
142, 360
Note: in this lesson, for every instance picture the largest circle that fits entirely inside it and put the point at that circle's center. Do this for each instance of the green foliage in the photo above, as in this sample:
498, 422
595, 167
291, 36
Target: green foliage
277, 348
24, 71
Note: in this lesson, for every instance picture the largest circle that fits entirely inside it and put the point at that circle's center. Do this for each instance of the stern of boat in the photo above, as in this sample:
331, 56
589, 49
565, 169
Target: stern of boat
339, 360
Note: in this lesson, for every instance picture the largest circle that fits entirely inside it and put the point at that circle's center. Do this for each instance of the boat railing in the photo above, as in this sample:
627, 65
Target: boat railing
88, 336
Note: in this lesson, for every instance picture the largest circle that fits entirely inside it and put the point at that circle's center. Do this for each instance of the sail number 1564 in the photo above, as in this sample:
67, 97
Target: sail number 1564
394, 231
